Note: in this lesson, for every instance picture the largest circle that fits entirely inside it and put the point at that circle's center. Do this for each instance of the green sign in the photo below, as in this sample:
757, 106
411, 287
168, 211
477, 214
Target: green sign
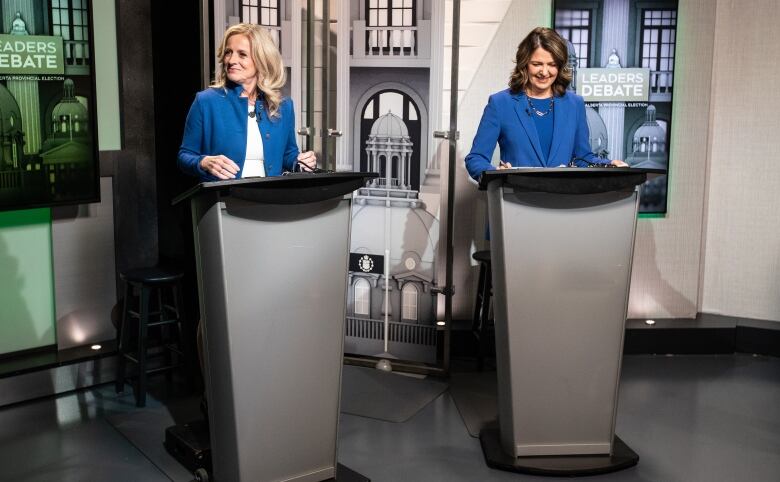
31, 55
614, 84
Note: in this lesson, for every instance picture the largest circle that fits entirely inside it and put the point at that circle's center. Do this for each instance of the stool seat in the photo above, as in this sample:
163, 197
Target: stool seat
481, 256
151, 275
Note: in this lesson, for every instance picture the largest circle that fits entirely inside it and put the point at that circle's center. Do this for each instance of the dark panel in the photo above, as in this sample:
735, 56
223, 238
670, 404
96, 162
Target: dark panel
761, 341
679, 341
135, 199
175, 37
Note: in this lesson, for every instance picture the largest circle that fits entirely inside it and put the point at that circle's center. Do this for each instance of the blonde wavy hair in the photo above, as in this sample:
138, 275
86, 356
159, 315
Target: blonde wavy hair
268, 62
549, 40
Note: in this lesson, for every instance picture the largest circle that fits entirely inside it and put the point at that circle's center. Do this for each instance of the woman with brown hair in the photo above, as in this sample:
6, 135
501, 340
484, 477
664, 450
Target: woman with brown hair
536, 122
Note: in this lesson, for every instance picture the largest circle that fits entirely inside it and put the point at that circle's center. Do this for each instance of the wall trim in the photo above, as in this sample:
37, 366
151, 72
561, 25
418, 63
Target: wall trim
707, 334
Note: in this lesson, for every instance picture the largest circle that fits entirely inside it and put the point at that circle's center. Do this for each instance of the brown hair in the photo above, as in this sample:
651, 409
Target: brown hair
549, 40
267, 59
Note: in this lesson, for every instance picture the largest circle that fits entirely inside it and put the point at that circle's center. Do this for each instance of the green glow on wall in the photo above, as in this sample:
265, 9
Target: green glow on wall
27, 281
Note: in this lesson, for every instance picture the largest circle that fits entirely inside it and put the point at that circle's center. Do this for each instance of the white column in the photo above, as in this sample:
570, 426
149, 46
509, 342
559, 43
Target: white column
401, 170
388, 169
435, 98
343, 122
26, 94
615, 36
296, 62
26, 8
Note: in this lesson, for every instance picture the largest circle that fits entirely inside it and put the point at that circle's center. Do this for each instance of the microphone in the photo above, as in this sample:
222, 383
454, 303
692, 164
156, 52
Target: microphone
582, 162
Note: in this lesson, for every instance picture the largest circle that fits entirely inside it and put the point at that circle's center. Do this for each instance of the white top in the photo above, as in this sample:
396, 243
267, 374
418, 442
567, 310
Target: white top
253, 163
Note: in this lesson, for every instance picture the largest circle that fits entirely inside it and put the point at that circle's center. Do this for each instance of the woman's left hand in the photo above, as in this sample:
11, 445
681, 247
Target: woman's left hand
307, 160
619, 163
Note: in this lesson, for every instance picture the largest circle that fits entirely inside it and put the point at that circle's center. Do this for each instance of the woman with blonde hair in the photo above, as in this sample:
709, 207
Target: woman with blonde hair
241, 126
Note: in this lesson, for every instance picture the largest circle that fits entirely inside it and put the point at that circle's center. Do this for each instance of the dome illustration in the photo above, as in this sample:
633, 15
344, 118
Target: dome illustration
649, 143
69, 108
389, 125
598, 132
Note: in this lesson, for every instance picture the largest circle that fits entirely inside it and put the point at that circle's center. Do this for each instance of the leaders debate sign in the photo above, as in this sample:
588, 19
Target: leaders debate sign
614, 84
31, 55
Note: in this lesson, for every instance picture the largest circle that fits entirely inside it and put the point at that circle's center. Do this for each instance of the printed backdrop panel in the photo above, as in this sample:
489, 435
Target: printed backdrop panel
48, 148
623, 56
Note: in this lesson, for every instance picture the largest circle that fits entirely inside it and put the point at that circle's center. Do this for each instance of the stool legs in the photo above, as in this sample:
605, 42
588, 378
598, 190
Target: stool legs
181, 354
482, 311
149, 311
122, 342
487, 288
143, 321
478, 302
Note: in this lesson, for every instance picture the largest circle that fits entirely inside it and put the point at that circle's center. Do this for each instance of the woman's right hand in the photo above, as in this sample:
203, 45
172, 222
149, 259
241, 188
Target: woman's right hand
219, 166
504, 165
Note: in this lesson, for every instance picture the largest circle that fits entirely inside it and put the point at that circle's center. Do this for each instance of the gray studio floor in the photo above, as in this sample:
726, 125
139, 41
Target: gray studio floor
690, 418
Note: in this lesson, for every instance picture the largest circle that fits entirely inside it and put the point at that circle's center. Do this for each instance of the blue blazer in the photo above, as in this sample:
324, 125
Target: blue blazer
507, 121
217, 124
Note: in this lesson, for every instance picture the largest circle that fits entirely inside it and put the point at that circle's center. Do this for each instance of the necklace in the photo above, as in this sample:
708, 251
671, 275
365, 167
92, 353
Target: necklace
252, 99
537, 111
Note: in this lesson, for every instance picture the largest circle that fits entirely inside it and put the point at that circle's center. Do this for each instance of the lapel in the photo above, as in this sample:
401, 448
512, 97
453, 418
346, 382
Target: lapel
559, 118
521, 109
264, 124
262, 119
239, 106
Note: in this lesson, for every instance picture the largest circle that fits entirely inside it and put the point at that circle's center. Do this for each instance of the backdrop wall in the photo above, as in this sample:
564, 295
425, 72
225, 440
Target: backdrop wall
718, 248
741, 269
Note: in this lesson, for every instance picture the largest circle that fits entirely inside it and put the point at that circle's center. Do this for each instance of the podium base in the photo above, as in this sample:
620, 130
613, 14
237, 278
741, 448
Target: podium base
556, 465
189, 444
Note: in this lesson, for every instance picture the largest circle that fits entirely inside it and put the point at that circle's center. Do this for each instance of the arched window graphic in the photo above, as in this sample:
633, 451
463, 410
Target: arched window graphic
400, 104
362, 291
409, 302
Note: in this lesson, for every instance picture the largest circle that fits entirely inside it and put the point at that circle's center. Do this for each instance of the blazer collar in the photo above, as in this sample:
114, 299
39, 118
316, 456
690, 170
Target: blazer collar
524, 115
236, 89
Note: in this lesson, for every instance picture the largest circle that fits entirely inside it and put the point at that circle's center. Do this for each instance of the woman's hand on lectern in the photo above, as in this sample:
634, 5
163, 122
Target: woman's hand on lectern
504, 165
619, 163
219, 166
307, 161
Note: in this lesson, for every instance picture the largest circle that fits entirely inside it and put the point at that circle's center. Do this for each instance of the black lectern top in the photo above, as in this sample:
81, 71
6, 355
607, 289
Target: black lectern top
571, 180
292, 188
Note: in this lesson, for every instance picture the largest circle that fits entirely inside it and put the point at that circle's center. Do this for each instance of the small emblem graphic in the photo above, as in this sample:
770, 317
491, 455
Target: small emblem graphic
366, 264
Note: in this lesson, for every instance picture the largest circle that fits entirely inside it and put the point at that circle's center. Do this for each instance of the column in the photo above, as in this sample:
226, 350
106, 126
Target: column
614, 36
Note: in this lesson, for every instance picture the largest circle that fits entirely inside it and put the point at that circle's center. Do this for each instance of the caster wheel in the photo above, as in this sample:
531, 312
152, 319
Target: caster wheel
201, 475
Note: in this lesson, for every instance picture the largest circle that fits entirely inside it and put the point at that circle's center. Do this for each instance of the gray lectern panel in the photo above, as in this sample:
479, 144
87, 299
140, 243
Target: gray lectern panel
274, 285
559, 315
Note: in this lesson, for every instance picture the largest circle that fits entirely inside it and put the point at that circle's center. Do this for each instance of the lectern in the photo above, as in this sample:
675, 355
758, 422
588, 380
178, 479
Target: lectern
562, 241
272, 276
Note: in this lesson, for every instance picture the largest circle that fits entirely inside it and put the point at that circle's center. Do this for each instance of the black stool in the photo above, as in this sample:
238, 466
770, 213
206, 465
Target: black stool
146, 285
482, 320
